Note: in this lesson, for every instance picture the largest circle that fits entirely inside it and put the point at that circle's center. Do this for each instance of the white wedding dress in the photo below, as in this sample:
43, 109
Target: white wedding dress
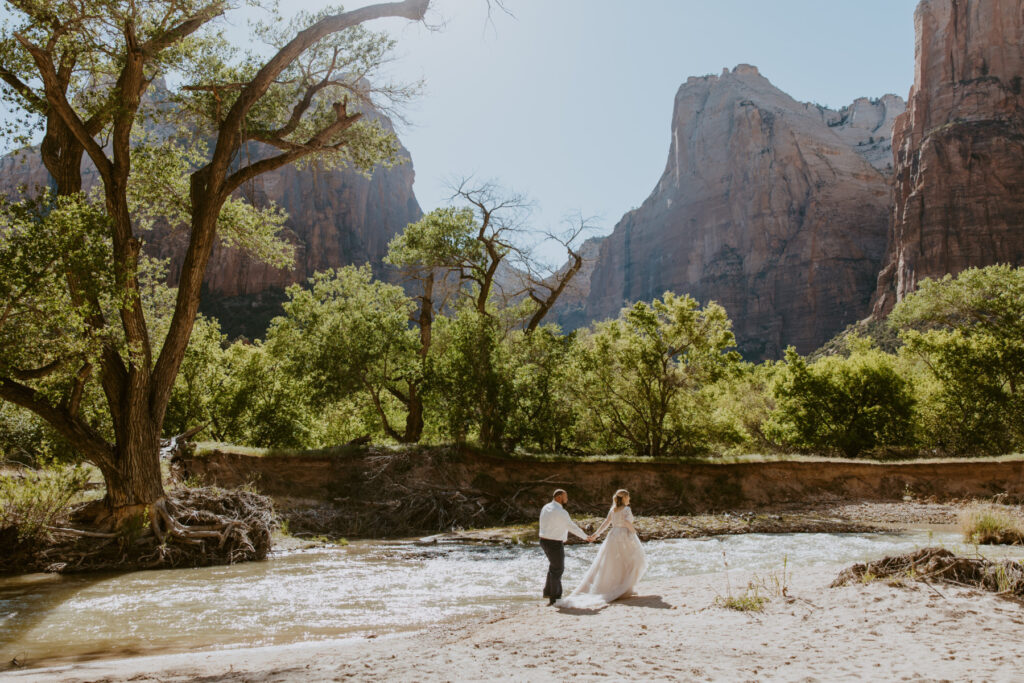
617, 568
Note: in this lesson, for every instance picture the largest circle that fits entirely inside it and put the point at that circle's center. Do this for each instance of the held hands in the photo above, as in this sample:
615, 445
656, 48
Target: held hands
591, 538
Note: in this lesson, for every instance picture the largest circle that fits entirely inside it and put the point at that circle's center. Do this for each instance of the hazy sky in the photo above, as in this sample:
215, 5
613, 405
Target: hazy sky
570, 101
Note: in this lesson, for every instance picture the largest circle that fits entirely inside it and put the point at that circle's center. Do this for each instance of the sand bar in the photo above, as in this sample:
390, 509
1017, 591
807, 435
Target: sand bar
671, 631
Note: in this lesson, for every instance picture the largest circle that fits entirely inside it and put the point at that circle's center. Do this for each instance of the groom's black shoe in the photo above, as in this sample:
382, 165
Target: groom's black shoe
551, 601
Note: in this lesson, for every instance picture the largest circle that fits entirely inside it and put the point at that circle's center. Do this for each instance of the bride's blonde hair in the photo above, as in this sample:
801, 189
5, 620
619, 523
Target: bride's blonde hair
619, 499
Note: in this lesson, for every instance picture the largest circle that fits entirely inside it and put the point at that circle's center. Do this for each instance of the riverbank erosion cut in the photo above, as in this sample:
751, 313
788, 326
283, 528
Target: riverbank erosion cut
379, 492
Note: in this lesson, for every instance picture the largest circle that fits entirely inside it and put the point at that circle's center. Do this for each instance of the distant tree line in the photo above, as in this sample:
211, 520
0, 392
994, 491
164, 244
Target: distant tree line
458, 356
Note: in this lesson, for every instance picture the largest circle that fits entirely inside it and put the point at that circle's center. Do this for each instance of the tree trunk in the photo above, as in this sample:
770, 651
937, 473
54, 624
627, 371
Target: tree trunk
134, 481
414, 416
425, 321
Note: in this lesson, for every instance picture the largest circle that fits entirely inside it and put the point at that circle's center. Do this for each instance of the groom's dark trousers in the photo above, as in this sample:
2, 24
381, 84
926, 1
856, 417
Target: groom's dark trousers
555, 550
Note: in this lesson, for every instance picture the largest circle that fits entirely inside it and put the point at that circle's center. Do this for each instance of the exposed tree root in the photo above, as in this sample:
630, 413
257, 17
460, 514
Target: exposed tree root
188, 528
939, 565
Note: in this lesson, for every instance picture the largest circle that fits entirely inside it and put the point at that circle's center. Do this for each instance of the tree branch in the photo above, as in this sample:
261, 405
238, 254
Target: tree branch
549, 301
21, 88
228, 142
74, 430
57, 100
36, 373
184, 29
316, 143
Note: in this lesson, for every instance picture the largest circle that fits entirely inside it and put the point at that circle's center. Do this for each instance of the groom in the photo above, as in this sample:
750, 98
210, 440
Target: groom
555, 526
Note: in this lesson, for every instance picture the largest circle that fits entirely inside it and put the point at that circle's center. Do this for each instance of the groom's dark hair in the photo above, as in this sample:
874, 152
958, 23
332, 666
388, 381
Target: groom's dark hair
557, 493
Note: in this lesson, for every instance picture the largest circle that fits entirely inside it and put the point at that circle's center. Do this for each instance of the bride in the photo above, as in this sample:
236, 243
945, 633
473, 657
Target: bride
619, 563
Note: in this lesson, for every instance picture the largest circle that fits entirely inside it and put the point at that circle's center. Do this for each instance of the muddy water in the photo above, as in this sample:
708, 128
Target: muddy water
362, 589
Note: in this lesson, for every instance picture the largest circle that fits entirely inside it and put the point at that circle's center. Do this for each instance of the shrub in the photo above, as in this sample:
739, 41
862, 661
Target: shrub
26, 439
644, 376
259, 404
32, 500
970, 403
542, 412
470, 387
200, 379
968, 334
743, 403
749, 601
848, 405
988, 524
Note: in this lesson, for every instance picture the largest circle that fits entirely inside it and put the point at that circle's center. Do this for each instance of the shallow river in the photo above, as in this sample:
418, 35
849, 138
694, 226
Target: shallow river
364, 588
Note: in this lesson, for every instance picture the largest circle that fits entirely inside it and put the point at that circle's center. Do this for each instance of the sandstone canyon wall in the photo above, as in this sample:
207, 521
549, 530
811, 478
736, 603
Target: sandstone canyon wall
959, 148
336, 218
776, 209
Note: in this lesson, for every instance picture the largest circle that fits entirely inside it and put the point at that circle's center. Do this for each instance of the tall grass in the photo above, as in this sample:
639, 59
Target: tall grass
990, 525
32, 500
756, 595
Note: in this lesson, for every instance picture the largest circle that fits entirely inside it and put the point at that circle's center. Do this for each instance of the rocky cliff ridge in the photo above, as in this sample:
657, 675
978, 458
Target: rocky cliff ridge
959, 148
335, 218
774, 208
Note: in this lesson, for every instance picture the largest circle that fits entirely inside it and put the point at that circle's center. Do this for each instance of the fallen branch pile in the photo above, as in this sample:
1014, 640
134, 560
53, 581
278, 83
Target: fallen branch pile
938, 565
406, 493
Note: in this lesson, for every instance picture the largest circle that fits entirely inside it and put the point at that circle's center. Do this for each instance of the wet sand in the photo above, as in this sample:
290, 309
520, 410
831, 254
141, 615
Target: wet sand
672, 630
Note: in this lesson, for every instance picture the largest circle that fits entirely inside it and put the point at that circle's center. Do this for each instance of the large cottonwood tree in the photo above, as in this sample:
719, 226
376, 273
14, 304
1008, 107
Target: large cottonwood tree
83, 72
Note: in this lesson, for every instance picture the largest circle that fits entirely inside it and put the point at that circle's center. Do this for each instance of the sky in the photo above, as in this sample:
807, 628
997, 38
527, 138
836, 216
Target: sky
569, 101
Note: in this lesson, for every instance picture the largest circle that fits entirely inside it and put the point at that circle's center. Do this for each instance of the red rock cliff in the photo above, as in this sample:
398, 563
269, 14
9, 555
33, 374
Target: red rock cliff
335, 218
959, 148
776, 209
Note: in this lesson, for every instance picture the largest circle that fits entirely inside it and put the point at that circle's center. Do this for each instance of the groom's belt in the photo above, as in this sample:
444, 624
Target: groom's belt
558, 540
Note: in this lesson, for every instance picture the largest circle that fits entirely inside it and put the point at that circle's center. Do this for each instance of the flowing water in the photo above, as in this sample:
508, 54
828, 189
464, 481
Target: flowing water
361, 589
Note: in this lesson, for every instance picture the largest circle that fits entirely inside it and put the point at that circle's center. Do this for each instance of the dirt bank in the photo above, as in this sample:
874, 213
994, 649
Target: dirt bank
372, 491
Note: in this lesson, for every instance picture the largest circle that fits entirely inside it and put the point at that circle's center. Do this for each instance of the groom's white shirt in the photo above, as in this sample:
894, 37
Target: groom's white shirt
555, 523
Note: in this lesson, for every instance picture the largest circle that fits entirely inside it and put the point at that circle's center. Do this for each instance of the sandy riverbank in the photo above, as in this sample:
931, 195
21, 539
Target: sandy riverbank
671, 631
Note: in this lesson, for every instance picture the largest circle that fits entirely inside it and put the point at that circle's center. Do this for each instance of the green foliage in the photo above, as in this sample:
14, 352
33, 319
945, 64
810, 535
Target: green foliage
470, 387
659, 380
260, 404
849, 404
967, 335
541, 412
643, 376
981, 299
749, 601
201, 380
48, 336
348, 335
159, 194
350, 418
42, 323
743, 402
31, 500
27, 439
444, 238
